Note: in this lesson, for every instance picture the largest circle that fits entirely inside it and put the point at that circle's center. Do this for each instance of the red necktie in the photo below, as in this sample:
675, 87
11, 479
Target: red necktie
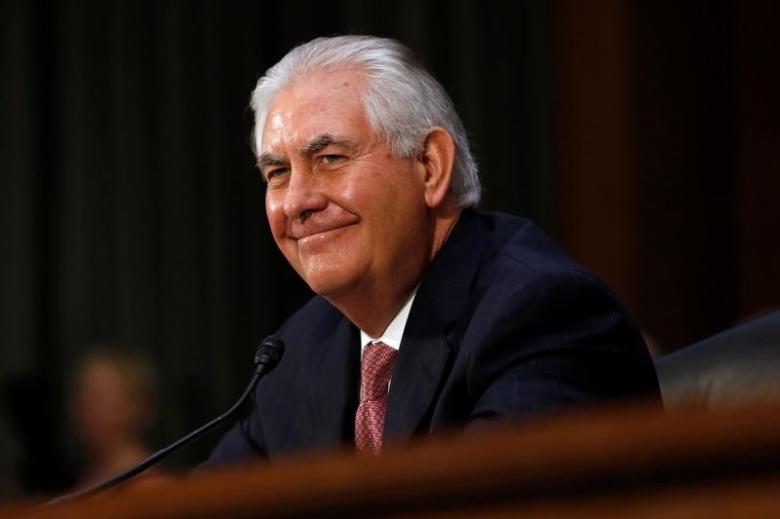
375, 371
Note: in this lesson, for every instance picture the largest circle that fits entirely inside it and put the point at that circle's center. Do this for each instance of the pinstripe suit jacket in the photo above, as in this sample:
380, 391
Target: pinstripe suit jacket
504, 325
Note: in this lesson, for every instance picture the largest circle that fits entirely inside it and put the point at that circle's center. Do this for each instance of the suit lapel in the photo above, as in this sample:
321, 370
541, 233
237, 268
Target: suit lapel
416, 377
332, 385
441, 302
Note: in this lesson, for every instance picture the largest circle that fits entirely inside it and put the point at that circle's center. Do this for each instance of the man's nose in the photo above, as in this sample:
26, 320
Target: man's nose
303, 195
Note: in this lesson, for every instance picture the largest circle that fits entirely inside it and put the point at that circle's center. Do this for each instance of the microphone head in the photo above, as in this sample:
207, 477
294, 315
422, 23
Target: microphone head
269, 352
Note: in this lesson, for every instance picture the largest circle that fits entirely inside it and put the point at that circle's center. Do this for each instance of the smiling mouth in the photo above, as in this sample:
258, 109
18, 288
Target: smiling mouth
322, 234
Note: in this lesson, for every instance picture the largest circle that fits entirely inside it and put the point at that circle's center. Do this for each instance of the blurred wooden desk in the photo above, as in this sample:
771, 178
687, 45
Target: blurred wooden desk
627, 462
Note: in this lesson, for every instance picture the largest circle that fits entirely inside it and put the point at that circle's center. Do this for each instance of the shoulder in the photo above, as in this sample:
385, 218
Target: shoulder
311, 325
530, 299
520, 260
313, 317
517, 241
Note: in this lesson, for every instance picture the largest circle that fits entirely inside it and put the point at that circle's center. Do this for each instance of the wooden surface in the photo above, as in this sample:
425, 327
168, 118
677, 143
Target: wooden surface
629, 462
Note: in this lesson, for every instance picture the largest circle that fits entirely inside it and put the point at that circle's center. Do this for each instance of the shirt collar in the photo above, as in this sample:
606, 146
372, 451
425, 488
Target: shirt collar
395, 330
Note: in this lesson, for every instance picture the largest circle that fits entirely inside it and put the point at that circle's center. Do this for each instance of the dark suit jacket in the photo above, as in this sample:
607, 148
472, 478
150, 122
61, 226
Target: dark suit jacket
503, 325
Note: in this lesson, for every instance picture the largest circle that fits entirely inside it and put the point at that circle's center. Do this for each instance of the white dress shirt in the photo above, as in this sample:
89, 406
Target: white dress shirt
395, 330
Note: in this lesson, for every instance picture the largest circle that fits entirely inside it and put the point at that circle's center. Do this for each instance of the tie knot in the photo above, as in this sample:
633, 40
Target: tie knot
375, 370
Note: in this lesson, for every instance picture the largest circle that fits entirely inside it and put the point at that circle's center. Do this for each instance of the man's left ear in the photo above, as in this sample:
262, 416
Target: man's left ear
437, 159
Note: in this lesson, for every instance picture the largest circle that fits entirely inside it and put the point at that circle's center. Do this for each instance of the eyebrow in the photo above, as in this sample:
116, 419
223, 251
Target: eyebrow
323, 141
308, 148
269, 159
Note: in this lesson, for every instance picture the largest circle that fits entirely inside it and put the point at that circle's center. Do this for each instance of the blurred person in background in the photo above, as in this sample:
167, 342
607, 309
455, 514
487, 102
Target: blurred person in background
112, 407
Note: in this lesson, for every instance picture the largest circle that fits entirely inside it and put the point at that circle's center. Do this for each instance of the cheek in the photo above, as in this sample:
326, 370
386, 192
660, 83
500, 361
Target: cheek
275, 214
361, 193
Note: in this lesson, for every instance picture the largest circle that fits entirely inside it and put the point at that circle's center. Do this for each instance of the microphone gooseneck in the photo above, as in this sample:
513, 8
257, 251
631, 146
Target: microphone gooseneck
267, 356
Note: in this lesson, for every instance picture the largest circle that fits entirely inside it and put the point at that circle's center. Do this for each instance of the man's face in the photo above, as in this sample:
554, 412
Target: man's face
347, 215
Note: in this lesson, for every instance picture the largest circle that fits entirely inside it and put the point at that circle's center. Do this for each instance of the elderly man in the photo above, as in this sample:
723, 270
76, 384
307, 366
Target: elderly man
429, 315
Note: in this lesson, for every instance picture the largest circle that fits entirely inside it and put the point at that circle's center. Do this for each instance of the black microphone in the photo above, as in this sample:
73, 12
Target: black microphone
267, 356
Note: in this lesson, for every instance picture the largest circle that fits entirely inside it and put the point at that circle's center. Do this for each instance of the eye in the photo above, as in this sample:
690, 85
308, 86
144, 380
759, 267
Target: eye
332, 159
274, 173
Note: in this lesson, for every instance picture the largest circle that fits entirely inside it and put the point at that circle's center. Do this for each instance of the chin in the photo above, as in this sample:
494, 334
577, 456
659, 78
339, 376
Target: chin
325, 288
328, 274
329, 283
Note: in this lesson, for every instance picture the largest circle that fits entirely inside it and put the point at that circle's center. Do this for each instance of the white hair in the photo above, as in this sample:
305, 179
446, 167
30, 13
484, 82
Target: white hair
402, 101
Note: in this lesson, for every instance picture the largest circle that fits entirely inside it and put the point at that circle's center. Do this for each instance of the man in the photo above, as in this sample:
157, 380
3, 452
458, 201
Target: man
468, 317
